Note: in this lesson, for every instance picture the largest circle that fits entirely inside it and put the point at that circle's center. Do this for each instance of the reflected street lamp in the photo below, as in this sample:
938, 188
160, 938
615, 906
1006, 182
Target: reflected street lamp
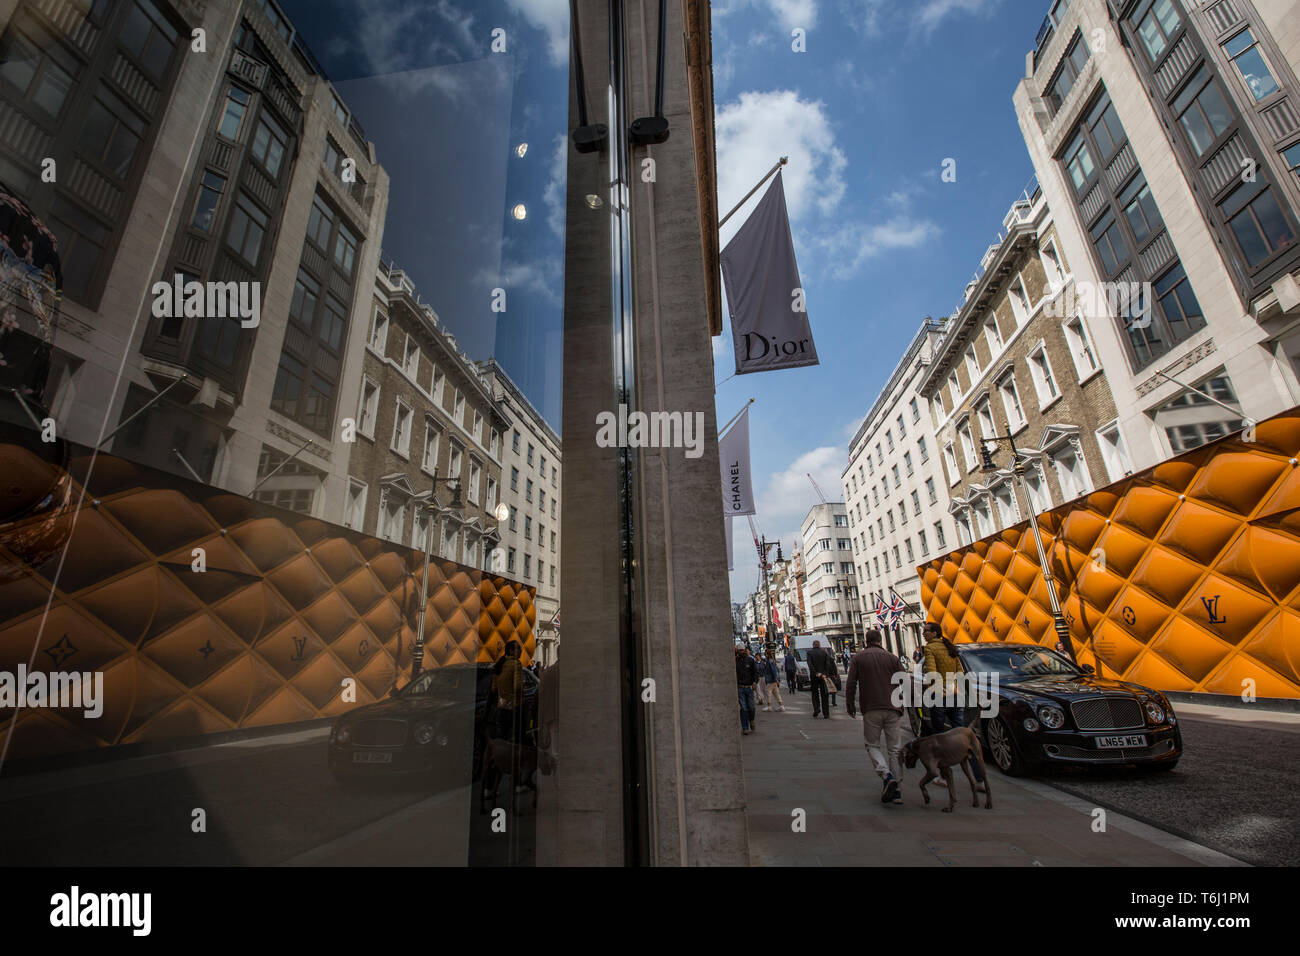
431, 509
1018, 473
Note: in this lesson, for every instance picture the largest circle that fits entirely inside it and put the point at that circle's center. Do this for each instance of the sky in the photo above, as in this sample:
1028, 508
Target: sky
883, 94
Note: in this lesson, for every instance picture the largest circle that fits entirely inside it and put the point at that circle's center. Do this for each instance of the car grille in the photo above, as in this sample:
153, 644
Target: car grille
1107, 713
1064, 752
379, 733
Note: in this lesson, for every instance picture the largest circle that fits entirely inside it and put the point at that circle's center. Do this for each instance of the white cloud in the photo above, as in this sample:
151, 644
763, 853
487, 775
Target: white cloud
934, 12
847, 249
550, 16
554, 195
754, 131
789, 494
788, 13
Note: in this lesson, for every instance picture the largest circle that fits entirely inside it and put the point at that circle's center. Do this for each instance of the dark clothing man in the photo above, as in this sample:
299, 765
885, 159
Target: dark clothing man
791, 670
819, 663
746, 678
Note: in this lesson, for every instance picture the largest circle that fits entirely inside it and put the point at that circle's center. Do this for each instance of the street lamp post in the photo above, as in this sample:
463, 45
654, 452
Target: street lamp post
853, 621
1018, 473
763, 547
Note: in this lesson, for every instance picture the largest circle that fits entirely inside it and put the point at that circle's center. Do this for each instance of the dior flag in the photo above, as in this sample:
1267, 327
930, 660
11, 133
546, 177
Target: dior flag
733, 456
769, 323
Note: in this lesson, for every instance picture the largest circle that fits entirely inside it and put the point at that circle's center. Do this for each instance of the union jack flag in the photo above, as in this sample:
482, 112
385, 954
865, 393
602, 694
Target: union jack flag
882, 611
896, 610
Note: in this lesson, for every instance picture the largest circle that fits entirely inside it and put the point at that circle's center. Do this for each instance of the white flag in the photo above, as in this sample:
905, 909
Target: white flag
731, 561
733, 455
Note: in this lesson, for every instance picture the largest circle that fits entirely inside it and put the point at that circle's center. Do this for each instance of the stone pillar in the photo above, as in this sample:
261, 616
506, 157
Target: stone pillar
694, 789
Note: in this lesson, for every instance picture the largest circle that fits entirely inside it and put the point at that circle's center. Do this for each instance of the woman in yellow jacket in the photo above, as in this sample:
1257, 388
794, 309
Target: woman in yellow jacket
508, 685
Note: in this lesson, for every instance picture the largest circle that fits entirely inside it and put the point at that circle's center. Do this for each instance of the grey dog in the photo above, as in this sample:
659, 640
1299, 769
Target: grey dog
939, 753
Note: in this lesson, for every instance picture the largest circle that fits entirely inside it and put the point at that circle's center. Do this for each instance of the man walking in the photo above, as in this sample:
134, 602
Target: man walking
791, 670
819, 665
768, 670
870, 687
746, 677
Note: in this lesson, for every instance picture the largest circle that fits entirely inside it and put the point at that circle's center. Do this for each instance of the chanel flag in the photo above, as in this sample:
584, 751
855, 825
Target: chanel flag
733, 456
769, 323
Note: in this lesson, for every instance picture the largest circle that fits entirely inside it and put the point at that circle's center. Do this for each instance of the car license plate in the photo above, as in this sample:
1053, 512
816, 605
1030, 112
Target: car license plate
364, 757
1112, 743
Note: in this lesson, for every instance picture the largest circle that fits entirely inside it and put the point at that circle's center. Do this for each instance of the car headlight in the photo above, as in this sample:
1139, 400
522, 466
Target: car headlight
1031, 725
423, 733
1155, 713
342, 735
1053, 717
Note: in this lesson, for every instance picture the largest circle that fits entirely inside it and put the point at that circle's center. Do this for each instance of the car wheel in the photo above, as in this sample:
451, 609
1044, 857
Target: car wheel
1002, 747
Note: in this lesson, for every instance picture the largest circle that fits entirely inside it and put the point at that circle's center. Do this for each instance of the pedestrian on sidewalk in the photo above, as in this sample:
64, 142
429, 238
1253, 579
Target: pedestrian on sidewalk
832, 678
772, 674
870, 688
746, 678
940, 655
791, 670
819, 664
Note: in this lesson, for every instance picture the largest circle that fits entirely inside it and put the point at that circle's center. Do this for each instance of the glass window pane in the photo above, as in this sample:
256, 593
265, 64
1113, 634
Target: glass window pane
1167, 13
1249, 237
1277, 231
1255, 72
1151, 36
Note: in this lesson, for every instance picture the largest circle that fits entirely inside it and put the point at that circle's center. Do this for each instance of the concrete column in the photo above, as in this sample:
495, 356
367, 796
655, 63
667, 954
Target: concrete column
694, 788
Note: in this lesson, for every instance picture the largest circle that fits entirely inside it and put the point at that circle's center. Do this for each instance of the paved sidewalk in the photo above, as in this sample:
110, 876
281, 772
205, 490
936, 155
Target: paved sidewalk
822, 767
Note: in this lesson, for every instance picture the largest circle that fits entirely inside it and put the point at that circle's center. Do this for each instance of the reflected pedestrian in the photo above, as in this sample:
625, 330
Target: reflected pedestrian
746, 678
819, 664
772, 676
791, 670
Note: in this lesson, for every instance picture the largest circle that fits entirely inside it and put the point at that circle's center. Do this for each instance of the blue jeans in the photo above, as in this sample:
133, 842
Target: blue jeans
746, 706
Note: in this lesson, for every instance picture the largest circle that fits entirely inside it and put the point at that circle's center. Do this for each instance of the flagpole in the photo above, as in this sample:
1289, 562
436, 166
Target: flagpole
733, 418
770, 173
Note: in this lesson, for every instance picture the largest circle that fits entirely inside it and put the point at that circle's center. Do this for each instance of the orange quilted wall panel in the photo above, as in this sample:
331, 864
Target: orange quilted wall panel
1184, 577
288, 607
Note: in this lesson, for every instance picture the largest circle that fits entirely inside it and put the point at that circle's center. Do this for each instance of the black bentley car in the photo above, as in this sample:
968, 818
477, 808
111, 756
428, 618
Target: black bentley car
428, 726
1051, 711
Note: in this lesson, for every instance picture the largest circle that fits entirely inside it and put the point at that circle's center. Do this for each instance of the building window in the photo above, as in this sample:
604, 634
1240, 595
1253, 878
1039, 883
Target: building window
1110, 245
1036, 488
37, 67
1071, 66
514, 479
1292, 156
950, 458
916, 411
889, 438
1202, 111
967, 444
841, 521
369, 408
552, 540
205, 205
528, 527
1005, 500
552, 507
514, 443
454, 461
232, 118
320, 223
491, 493
902, 513
514, 518
972, 364
1085, 360
1053, 270
458, 412
528, 489
495, 445
392, 515
379, 332
1071, 472
354, 511
1244, 52
1156, 24
148, 37
930, 491
984, 414
1019, 297
907, 462
345, 250
1257, 221
475, 477
1078, 160
938, 535
897, 480
1040, 369
1140, 209
510, 561
992, 338
419, 528
902, 428
920, 446
247, 228
402, 429
269, 145
916, 502
1114, 453
431, 436
411, 357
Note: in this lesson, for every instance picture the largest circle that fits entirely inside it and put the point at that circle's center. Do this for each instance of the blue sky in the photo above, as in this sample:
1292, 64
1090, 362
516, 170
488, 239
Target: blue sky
884, 93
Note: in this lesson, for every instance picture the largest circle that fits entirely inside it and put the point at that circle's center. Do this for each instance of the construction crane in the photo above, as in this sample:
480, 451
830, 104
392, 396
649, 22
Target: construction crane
816, 488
